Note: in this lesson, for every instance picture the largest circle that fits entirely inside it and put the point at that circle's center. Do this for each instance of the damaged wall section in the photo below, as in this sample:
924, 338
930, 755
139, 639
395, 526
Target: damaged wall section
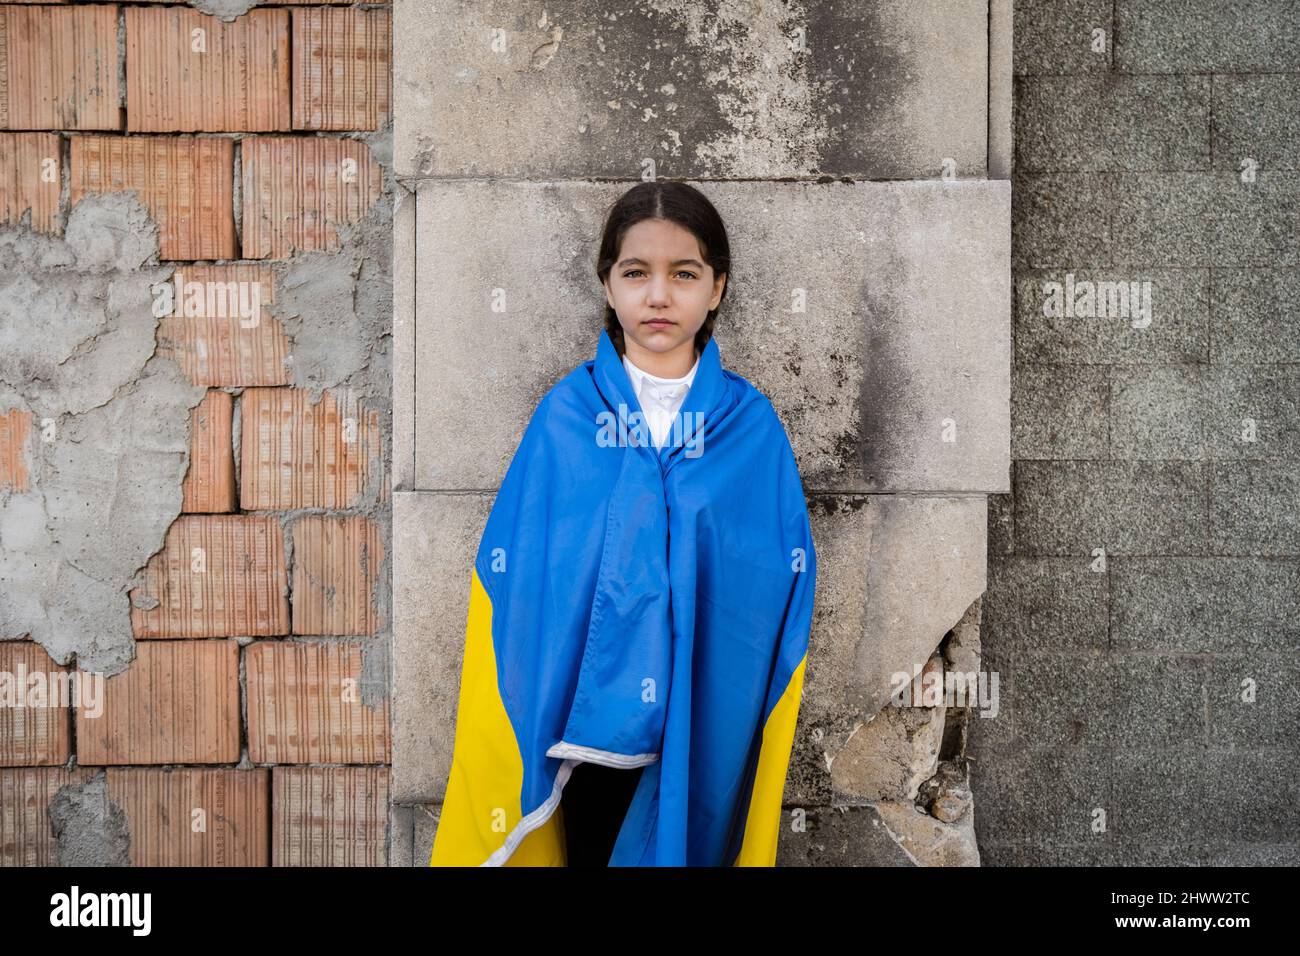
195, 420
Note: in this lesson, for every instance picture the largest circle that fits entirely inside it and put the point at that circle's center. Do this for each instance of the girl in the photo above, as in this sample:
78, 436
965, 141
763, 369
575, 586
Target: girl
642, 595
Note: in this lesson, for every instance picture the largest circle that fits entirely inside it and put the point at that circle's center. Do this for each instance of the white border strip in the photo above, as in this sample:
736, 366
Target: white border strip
581, 754
571, 753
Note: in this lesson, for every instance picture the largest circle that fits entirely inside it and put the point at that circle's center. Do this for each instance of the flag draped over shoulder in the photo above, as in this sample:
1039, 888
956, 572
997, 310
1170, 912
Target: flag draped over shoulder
635, 607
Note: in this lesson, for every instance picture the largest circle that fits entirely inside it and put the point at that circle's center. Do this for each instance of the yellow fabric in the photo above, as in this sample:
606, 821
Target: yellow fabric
482, 804
763, 824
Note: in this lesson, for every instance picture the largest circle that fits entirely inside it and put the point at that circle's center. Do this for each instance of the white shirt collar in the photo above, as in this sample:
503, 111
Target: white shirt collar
662, 390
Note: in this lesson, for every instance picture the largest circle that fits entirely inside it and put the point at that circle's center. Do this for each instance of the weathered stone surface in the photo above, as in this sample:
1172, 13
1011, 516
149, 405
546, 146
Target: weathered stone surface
1198, 605
1204, 36
1060, 36
929, 841
719, 90
1110, 122
838, 836
889, 756
435, 540
894, 378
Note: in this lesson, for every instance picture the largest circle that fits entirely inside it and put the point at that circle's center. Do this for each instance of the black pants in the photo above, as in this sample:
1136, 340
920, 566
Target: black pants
594, 804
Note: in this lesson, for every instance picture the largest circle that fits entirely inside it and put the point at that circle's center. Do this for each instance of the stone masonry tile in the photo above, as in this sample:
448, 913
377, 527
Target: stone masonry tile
1126, 507
1059, 37
305, 705
194, 817
1206, 219
216, 576
1073, 426
187, 71
1109, 122
1253, 120
1204, 605
1206, 36
1254, 316
185, 181
1252, 508
1167, 795
1114, 316
178, 702
58, 67
1196, 412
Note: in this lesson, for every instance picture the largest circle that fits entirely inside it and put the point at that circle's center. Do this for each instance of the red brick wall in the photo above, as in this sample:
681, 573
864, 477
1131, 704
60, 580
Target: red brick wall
230, 739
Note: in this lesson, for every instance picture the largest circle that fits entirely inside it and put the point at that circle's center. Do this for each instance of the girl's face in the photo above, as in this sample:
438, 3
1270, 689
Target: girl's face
662, 291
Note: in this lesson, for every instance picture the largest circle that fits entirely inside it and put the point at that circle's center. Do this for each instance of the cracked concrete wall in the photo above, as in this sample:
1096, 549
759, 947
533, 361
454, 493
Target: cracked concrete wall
195, 503
77, 343
111, 442
860, 130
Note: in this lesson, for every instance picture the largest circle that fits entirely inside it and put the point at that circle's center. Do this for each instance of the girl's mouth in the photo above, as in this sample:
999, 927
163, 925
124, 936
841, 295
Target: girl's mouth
659, 323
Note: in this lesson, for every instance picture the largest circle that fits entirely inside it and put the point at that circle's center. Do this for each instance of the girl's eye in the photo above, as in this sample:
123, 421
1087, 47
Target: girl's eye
680, 272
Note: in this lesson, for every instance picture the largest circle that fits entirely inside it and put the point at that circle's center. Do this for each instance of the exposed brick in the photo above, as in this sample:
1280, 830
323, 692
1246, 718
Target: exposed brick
31, 170
210, 483
194, 817
178, 702
15, 449
35, 694
294, 454
329, 816
58, 67
335, 568
305, 705
341, 68
185, 181
216, 576
212, 339
26, 833
298, 190
186, 70
264, 3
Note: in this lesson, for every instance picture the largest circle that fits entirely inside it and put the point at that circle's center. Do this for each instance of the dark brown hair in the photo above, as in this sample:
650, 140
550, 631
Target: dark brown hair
675, 202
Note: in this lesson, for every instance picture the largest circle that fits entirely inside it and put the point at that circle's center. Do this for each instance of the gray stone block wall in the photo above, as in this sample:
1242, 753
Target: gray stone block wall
1143, 597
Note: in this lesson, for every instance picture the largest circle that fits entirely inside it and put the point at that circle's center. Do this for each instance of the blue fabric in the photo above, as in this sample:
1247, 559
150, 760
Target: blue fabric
650, 604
